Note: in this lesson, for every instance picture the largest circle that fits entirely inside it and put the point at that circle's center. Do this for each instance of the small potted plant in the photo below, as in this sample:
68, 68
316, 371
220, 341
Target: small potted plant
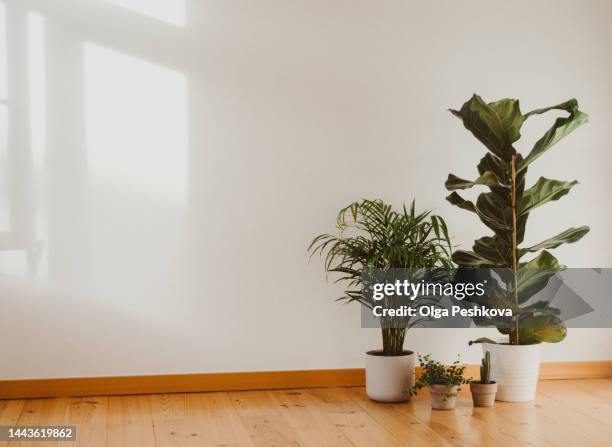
483, 392
444, 382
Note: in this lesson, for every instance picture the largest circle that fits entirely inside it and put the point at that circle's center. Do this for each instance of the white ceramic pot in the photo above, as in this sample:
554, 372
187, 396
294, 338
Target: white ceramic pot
515, 368
389, 378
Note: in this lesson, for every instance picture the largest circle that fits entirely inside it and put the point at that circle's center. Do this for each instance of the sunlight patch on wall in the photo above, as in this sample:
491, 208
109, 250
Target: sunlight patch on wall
136, 125
37, 84
3, 56
169, 11
37, 87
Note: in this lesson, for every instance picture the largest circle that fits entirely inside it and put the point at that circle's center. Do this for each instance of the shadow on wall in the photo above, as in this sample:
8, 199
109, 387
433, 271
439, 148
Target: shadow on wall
82, 121
94, 160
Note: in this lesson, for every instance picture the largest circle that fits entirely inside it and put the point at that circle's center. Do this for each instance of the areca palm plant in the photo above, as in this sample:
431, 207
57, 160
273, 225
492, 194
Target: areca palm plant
373, 236
505, 209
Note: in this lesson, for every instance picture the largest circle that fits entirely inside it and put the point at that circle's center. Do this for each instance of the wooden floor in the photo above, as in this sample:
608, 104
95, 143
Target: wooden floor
566, 413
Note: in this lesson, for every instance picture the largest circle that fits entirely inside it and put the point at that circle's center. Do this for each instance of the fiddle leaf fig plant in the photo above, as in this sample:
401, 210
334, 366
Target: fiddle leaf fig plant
505, 209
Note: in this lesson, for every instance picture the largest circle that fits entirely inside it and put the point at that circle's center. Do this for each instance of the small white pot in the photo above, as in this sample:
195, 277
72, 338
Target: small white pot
389, 378
516, 369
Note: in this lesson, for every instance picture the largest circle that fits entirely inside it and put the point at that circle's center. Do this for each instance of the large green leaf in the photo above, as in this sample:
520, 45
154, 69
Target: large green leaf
568, 236
545, 260
568, 106
496, 125
495, 212
495, 165
559, 130
488, 178
541, 328
492, 209
534, 275
496, 249
459, 201
542, 192
509, 113
469, 259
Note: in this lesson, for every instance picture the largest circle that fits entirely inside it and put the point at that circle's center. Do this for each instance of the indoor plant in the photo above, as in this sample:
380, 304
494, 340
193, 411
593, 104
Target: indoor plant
371, 235
504, 209
443, 382
483, 392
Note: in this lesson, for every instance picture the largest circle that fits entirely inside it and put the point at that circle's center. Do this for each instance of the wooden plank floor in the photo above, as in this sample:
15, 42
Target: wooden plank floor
565, 413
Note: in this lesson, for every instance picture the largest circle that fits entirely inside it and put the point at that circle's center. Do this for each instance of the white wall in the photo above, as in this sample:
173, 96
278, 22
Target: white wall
168, 164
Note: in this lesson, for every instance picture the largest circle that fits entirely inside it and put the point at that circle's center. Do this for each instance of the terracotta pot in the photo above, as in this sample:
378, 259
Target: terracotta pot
483, 394
389, 378
439, 398
515, 368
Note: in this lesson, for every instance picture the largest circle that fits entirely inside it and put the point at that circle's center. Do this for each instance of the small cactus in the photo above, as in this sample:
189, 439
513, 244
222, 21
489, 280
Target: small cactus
485, 369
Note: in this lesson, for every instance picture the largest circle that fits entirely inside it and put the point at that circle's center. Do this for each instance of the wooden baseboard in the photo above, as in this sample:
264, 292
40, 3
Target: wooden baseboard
576, 370
237, 381
563, 370
181, 383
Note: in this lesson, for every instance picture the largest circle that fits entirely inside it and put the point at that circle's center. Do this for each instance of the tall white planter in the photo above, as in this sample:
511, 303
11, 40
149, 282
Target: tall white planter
389, 378
515, 368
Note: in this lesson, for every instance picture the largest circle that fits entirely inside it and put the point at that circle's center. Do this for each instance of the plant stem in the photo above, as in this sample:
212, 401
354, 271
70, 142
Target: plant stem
514, 248
393, 341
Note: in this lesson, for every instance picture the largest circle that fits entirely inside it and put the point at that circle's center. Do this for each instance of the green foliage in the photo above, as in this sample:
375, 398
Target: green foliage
485, 369
435, 373
372, 235
505, 209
